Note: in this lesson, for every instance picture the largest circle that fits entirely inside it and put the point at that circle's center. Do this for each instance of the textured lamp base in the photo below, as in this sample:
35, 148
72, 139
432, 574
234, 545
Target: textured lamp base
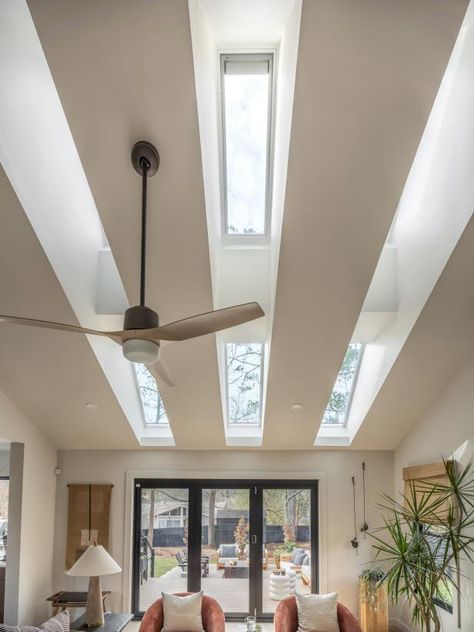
94, 614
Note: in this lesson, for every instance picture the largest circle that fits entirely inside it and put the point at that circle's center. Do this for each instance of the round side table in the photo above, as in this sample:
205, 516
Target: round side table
279, 587
291, 581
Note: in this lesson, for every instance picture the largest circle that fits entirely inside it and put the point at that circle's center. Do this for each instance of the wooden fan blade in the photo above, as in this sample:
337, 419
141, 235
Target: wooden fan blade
205, 323
47, 324
161, 372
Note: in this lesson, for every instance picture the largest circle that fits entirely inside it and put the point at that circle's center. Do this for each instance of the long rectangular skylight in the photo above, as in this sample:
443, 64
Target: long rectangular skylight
244, 371
153, 408
246, 85
340, 400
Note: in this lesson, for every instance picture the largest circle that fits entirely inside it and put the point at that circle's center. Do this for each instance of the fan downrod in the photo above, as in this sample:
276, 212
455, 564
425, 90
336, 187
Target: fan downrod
145, 151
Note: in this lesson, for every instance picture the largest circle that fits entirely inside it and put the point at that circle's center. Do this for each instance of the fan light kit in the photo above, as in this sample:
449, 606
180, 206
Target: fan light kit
141, 335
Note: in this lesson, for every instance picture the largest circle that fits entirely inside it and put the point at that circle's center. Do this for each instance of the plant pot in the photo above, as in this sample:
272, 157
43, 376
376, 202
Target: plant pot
373, 609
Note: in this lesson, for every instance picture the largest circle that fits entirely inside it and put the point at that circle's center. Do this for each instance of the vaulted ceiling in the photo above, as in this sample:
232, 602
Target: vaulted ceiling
368, 72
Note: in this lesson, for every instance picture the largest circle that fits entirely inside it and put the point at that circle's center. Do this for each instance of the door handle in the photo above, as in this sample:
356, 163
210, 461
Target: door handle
253, 539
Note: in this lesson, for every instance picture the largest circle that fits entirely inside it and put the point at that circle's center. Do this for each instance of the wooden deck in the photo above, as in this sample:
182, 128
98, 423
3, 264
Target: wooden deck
231, 593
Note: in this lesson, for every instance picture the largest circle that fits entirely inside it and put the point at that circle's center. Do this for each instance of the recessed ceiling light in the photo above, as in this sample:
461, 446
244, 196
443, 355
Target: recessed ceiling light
296, 406
92, 407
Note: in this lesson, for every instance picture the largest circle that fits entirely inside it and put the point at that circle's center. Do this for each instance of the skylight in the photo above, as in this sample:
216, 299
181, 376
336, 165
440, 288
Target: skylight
246, 83
340, 400
153, 409
244, 366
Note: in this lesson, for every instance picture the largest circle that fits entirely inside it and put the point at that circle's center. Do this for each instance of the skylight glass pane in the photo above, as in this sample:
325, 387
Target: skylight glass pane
153, 408
246, 101
340, 400
244, 363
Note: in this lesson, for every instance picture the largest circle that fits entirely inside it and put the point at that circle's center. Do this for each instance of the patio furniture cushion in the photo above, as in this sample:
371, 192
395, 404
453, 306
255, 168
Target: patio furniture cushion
228, 550
286, 617
297, 552
306, 560
317, 613
213, 619
298, 557
182, 612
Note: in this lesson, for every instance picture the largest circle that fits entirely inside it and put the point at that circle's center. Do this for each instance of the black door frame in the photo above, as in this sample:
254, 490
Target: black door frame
195, 487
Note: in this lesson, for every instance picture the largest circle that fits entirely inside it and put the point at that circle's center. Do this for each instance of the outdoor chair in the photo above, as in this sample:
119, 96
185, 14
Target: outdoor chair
182, 559
286, 617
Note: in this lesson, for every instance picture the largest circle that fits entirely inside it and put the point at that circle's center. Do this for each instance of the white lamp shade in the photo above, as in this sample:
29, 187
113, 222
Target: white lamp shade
94, 561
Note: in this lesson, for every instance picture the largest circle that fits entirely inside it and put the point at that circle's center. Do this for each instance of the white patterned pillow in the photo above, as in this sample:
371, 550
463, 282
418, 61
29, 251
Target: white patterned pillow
58, 623
182, 613
317, 613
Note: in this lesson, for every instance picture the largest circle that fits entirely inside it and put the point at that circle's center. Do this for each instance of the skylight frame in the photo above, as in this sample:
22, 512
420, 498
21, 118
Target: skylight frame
149, 424
244, 424
343, 424
260, 56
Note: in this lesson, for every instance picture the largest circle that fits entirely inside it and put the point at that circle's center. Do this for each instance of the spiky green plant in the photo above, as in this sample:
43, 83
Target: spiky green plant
420, 566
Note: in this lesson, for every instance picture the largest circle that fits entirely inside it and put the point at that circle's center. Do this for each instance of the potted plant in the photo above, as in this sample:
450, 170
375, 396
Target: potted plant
369, 582
277, 559
241, 536
426, 536
373, 600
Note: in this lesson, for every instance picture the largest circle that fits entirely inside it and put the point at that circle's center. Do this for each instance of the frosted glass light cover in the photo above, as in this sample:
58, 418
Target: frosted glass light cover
94, 561
141, 351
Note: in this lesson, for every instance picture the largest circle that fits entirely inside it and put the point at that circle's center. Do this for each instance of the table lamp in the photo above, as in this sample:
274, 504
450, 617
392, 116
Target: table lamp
94, 562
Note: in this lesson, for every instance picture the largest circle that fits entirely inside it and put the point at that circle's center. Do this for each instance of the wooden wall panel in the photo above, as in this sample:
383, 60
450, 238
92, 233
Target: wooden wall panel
88, 519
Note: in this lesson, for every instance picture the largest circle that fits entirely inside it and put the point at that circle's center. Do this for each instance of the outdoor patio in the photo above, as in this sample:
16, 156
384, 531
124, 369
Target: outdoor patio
231, 593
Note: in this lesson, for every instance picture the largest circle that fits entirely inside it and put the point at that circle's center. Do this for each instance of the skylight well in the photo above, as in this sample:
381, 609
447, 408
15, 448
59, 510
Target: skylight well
337, 409
153, 409
244, 371
246, 85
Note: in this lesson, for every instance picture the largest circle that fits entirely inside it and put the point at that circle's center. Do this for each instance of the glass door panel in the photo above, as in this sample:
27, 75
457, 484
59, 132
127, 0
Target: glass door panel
225, 547
162, 543
286, 553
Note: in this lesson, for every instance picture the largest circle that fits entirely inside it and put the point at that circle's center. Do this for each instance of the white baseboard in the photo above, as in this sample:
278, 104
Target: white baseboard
399, 624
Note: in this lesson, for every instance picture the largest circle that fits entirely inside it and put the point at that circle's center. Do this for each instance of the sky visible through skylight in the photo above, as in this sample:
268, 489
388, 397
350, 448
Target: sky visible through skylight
339, 402
246, 137
244, 382
153, 408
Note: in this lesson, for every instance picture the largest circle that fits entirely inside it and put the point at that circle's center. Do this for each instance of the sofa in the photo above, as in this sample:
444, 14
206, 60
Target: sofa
230, 553
289, 562
286, 617
213, 619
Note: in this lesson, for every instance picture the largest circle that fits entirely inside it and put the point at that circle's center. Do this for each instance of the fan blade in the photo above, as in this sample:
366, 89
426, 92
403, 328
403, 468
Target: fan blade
205, 323
161, 372
47, 324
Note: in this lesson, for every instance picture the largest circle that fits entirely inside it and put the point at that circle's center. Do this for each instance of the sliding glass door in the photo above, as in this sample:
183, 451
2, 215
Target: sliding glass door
225, 523
288, 526
161, 546
247, 544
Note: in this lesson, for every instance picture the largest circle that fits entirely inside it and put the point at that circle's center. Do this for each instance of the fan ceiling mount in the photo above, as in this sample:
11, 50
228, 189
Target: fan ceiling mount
141, 335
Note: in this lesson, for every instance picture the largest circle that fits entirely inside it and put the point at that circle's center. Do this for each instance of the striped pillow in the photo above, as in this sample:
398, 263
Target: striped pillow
58, 623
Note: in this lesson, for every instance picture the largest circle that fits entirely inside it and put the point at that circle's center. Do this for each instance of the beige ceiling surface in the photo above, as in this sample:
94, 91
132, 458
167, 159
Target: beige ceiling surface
50, 375
368, 72
438, 344
124, 71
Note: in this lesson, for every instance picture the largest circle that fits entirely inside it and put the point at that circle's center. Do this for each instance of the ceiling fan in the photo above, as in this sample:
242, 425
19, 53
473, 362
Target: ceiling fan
141, 334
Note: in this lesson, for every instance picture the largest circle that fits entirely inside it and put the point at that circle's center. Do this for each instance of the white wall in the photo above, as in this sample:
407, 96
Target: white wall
447, 425
339, 564
36, 540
